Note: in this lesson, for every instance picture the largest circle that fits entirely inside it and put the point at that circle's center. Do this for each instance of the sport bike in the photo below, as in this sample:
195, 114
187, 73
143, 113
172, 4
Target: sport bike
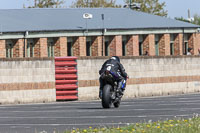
110, 94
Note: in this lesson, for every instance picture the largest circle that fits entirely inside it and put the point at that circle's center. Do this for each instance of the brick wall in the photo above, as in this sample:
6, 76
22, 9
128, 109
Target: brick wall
18, 48
135, 45
116, 46
43, 47
37, 47
63, 46
164, 45
149, 44
178, 45
129, 45
192, 43
97, 46
79, 46
27, 80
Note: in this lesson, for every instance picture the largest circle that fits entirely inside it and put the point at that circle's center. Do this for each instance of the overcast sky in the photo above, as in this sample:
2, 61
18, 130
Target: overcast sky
176, 8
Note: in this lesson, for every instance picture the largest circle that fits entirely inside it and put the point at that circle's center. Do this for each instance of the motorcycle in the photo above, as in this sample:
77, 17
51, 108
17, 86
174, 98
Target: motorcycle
110, 94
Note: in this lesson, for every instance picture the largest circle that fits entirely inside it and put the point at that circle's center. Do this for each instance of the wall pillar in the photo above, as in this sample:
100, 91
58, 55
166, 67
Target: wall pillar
116, 46
60, 46
178, 45
135, 45
192, 43
63, 46
198, 42
129, 46
82, 45
43, 47
96, 46
149, 44
164, 45
79, 46
18, 48
2, 48
151, 39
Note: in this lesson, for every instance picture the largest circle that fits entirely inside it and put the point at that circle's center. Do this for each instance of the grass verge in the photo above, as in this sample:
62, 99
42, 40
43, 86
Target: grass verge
178, 125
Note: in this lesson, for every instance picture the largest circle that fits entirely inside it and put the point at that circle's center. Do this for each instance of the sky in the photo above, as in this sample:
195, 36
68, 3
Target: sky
176, 8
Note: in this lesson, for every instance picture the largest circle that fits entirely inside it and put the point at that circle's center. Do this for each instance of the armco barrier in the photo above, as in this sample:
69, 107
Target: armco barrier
66, 78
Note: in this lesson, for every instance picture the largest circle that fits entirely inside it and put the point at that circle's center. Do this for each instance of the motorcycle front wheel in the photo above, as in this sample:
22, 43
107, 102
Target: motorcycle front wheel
106, 96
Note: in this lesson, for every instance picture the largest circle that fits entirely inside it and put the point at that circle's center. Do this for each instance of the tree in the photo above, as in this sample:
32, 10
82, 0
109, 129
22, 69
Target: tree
150, 6
194, 20
182, 19
47, 4
95, 3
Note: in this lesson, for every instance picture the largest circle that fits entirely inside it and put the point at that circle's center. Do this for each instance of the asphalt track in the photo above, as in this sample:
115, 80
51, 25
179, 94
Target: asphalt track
37, 118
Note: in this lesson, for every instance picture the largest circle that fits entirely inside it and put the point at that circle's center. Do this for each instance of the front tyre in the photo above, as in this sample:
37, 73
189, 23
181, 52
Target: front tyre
106, 96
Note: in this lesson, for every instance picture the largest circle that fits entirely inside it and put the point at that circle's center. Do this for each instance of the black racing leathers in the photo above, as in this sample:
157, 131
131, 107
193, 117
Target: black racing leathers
115, 67
117, 70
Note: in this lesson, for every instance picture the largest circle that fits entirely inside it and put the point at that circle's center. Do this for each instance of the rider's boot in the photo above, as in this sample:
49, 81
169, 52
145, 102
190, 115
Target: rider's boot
119, 88
100, 93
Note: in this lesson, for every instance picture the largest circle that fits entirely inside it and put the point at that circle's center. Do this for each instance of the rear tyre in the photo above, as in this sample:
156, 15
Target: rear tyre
106, 96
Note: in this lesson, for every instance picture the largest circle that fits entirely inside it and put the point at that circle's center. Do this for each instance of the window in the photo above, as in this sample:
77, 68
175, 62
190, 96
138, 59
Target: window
9, 49
140, 48
30, 49
69, 49
107, 48
185, 48
124, 49
172, 39
172, 48
157, 48
50, 48
88, 48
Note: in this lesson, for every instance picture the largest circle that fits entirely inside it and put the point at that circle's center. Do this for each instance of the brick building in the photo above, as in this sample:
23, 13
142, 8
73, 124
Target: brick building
109, 31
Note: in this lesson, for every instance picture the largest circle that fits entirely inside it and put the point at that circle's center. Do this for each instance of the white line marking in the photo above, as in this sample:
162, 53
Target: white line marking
85, 124
96, 110
95, 117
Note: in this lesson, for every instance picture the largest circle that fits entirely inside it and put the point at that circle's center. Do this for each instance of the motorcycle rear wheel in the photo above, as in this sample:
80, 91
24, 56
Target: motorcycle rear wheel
106, 96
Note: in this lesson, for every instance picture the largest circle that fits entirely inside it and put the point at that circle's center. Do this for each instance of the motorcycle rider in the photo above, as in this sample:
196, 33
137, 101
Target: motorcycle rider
116, 68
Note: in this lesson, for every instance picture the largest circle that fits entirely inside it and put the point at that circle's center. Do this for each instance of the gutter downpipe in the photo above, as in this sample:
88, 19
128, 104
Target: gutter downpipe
184, 52
25, 35
102, 17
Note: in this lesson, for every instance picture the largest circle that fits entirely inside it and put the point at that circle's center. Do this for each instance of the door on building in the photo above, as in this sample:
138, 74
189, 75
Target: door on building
157, 48
124, 49
124, 45
140, 48
50, 47
88, 46
9, 49
70, 46
30, 48
69, 49
185, 48
106, 48
172, 48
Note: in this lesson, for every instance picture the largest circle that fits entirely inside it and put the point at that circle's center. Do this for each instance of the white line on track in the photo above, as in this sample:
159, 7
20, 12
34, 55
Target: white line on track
125, 110
95, 117
84, 124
